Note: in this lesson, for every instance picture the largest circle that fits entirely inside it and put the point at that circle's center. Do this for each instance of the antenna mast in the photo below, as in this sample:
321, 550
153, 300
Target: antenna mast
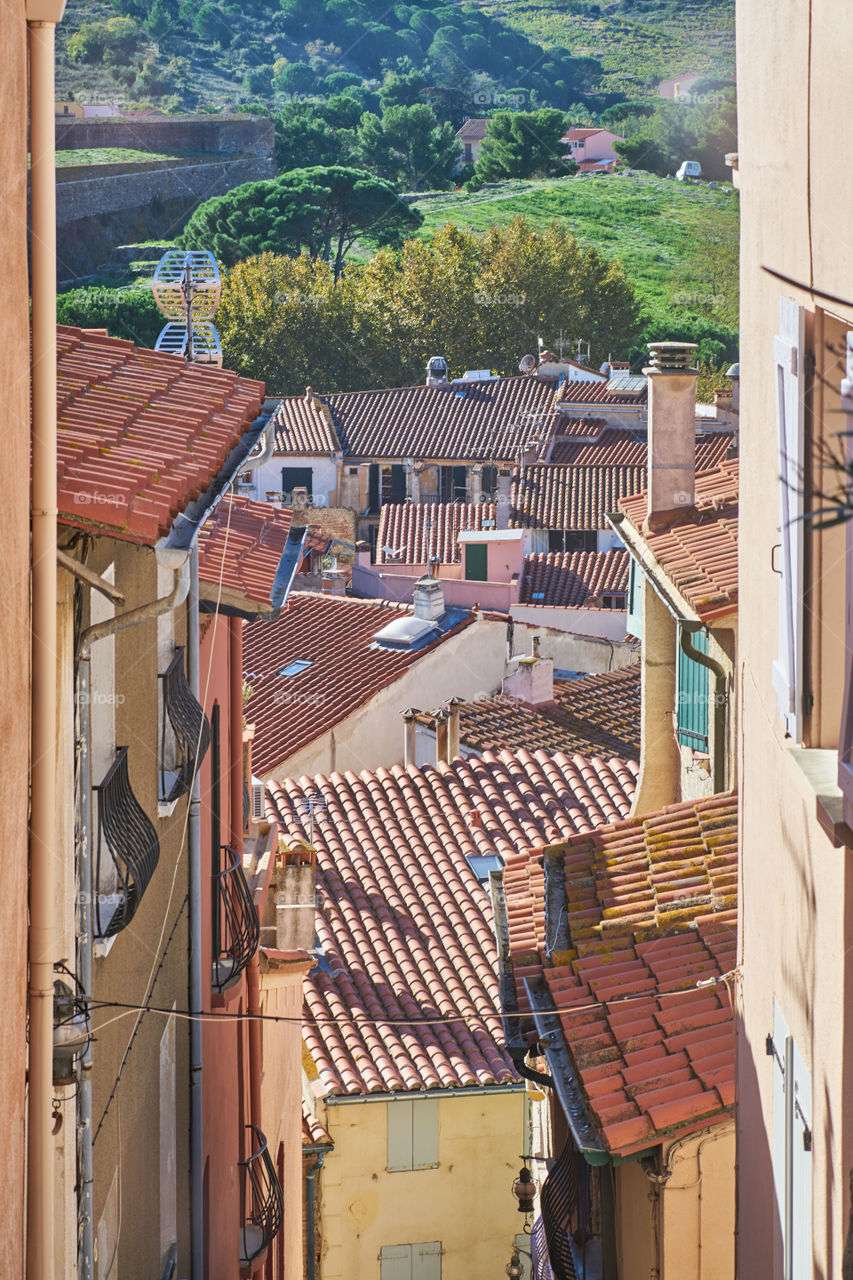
187, 289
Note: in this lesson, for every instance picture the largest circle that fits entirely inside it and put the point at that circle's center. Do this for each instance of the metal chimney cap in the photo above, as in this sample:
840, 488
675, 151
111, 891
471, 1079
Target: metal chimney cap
672, 357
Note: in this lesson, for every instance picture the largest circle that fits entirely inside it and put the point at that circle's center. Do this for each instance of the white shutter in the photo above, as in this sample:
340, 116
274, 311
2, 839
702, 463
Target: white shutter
781, 1179
789, 355
845, 744
801, 1168
395, 1262
426, 1261
399, 1134
424, 1133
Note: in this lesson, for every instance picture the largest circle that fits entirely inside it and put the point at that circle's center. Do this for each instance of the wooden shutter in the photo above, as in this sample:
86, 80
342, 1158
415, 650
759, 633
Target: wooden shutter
395, 1262
424, 1133
426, 1261
634, 620
789, 353
399, 1135
845, 745
800, 1250
692, 711
476, 561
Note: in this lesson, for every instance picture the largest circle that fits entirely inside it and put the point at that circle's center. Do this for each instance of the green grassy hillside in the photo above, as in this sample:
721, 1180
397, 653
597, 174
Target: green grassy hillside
677, 243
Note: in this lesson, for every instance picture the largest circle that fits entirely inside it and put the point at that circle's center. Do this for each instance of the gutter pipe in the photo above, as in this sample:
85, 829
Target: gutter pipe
42, 16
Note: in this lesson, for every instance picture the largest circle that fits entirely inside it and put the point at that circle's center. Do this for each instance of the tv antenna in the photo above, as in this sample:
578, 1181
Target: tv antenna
187, 289
309, 806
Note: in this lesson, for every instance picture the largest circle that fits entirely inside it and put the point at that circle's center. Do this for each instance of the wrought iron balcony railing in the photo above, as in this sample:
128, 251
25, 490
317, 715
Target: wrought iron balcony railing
190, 727
131, 840
236, 928
262, 1199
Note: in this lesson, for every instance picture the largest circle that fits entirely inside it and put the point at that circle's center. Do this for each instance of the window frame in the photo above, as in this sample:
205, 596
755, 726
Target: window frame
412, 1135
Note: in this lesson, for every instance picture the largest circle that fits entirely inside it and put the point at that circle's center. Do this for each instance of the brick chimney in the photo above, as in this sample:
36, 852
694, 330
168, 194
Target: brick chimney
672, 431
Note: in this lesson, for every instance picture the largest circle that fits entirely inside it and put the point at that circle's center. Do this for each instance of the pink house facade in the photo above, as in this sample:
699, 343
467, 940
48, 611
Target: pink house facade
592, 148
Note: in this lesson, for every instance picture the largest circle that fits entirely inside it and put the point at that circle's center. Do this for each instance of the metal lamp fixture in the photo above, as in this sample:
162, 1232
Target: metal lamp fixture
514, 1268
524, 1189
70, 1032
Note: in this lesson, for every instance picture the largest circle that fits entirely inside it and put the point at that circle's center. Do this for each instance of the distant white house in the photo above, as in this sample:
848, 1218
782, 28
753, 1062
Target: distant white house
471, 136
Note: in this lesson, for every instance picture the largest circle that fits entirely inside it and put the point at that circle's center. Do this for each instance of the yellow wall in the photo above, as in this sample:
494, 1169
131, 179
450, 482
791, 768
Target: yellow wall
466, 1202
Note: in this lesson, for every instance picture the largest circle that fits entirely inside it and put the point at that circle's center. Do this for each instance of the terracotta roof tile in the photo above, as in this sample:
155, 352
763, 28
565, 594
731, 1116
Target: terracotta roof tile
573, 579
641, 1033
241, 546
617, 446
334, 634
304, 426
140, 433
405, 928
597, 715
418, 532
473, 129
698, 551
547, 496
313, 1132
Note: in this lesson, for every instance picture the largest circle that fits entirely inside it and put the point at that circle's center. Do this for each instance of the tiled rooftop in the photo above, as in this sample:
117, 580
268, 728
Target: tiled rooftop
597, 715
573, 579
472, 129
241, 546
698, 552
140, 433
313, 1132
334, 634
545, 496
576, 392
406, 993
422, 531
303, 427
649, 910
619, 447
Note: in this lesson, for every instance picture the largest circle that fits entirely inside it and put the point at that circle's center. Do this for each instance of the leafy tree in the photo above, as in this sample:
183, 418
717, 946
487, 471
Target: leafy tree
302, 134
323, 209
212, 25
479, 300
258, 81
295, 78
111, 42
408, 146
519, 144
126, 313
402, 89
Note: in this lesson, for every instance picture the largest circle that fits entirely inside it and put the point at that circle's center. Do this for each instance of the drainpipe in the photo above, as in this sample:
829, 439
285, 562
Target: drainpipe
42, 16
178, 563
687, 629
311, 1222
196, 974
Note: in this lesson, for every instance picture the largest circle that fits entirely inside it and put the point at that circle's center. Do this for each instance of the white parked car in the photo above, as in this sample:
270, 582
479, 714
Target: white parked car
689, 169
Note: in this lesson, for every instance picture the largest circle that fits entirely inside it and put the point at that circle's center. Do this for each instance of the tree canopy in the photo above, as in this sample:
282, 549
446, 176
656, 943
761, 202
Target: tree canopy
322, 210
477, 300
519, 144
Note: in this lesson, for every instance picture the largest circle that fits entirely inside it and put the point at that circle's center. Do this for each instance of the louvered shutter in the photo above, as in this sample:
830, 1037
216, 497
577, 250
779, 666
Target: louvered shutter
399, 1135
800, 1251
789, 351
781, 1127
426, 1261
425, 1133
395, 1262
845, 745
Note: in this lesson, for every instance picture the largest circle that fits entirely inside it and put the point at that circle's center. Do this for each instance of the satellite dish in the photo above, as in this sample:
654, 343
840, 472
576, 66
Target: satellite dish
526, 364
187, 289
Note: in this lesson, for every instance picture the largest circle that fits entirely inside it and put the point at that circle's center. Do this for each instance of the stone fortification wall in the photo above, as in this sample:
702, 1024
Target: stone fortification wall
210, 135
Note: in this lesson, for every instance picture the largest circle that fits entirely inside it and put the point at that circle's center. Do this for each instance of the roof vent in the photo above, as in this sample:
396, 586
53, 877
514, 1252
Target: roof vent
672, 357
436, 372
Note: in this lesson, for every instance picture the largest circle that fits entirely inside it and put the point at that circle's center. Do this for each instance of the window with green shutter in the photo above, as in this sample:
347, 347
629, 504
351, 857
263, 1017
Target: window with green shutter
693, 691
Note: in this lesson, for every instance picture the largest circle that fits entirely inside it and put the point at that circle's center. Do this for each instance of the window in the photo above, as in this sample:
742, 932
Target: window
789, 354
634, 621
412, 1134
792, 1150
692, 712
613, 600
467, 157
410, 1261
295, 478
293, 668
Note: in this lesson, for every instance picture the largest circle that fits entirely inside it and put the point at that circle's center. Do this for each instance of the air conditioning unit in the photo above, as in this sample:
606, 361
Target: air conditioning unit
259, 812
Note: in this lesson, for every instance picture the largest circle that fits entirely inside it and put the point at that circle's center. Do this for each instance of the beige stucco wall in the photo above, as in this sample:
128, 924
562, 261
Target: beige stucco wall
466, 1202
281, 1094
797, 924
697, 1207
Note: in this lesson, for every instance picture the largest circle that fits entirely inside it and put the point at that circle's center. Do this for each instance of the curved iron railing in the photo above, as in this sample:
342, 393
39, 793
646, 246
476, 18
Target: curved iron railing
190, 727
236, 928
132, 841
262, 1199
562, 1208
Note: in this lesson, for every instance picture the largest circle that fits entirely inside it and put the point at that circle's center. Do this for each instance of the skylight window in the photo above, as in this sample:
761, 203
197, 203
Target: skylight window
293, 668
483, 863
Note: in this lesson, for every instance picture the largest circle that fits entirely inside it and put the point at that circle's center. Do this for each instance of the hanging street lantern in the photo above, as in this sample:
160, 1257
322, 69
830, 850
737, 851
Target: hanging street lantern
524, 1189
514, 1268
